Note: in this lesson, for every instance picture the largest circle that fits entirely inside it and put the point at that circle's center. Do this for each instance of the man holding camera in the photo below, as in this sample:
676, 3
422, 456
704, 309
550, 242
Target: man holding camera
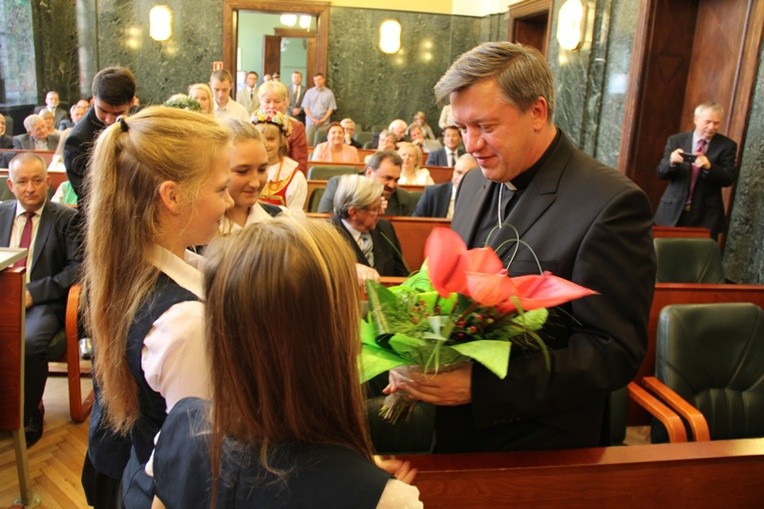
697, 164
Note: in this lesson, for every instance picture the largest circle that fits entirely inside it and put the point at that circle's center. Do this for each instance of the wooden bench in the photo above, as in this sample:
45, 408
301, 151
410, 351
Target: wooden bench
725, 473
680, 231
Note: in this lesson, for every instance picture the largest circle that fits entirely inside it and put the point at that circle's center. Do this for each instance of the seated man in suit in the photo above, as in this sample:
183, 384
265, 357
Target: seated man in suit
438, 200
47, 230
447, 156
77, 111
52, 104
357, 209
698, 164
385, 168
37, 137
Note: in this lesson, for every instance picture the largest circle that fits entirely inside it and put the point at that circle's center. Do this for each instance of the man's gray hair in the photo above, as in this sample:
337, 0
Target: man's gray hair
709, 105
355, 191
31, 121
26, 157
521, 72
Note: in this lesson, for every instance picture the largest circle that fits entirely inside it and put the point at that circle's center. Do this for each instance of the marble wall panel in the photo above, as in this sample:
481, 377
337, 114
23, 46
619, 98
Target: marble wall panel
744, 249
161, 68
56, 49
375, 88
18, 78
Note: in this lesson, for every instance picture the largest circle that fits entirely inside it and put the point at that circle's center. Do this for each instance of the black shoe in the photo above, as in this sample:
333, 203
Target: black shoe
33, 426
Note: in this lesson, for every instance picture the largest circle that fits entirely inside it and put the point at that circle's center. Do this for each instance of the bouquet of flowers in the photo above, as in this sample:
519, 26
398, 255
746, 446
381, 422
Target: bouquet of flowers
460, 306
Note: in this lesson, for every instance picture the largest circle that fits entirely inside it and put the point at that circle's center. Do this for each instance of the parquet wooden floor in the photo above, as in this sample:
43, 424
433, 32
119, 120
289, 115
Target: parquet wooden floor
55, 462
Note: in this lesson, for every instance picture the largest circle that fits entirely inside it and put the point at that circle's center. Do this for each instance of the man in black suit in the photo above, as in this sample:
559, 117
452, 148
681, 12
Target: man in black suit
447, 156
438, 200
357, 209
52, 104
113, 90
385, 168
296, 95
584, 221
52, 266
698, 165
37, 137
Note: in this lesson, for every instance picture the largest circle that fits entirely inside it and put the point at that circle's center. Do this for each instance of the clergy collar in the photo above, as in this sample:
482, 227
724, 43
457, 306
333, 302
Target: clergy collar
524, 179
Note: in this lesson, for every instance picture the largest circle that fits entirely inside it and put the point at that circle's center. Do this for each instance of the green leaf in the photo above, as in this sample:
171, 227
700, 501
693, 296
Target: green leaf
494, 355
533, 320
368, 333
379, 298
416, 350
374, 361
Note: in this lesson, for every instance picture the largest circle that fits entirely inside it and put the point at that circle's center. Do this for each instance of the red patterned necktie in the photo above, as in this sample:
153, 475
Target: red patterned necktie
26, 238
700, 149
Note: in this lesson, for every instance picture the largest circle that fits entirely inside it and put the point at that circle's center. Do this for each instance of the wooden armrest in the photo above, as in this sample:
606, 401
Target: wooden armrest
697, 421
72, 308
674, 424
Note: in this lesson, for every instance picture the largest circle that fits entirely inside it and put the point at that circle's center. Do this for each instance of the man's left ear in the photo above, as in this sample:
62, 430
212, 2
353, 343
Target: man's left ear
540, 110
170, 196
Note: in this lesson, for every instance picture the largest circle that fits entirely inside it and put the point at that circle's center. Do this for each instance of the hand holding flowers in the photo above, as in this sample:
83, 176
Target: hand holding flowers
460, 306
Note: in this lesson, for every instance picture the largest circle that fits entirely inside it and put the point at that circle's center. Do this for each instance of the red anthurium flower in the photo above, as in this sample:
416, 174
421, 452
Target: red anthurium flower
484, 260
490, 289
543, 291
446, 264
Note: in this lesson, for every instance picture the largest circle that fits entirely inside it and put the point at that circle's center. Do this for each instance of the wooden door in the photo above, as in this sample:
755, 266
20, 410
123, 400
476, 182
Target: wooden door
529, 23
271, 54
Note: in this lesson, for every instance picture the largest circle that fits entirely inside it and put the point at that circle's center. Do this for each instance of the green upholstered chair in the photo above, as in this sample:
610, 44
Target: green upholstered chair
327, 171
688, 260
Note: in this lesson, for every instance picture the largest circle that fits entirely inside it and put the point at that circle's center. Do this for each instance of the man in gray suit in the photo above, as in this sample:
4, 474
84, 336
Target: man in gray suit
296, 95
247, 96
52, 266
585, 222
37, 137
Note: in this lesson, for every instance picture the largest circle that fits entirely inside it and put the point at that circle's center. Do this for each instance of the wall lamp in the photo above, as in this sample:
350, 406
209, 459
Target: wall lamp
160, 22
390, 36
571, 24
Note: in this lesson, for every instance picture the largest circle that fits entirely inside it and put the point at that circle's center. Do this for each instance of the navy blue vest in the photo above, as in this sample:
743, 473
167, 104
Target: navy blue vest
137, 487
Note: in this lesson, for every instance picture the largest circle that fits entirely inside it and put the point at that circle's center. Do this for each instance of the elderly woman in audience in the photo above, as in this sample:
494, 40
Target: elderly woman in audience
286, 185
398, 128
285, 425
274, 97
249, 174
159, 183
334, 149
202, 93
411, 172
49, 119
420, 119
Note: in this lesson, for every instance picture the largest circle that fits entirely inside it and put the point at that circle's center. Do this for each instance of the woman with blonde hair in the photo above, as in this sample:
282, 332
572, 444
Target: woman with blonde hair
274, 98
287, 185
249, 174
334, 149
411, 172
285, 426
159, 183
202, 93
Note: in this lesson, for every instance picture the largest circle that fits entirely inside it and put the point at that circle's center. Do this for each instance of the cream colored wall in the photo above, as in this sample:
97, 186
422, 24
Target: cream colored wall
458, 7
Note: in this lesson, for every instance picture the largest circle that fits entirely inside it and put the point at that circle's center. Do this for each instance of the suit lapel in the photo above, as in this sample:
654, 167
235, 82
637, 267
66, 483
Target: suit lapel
360, 257
43, 232
7, 210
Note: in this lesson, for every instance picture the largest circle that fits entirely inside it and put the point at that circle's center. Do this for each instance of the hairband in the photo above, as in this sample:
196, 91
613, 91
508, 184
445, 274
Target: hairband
123, 124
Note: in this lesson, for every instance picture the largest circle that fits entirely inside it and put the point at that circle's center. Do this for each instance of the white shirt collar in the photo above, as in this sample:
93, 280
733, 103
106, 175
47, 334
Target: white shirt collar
186, 272
355, 233
20, 210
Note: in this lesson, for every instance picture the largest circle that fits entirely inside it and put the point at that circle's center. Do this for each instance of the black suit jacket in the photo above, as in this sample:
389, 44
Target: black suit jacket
587, 223
435, 200
55, 262
295, 101
388, 260
59, 113
401, 203
439, 157
6, 141
77, 148
707, 208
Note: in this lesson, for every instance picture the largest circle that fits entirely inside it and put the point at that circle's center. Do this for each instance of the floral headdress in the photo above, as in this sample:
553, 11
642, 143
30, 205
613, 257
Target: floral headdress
278, 119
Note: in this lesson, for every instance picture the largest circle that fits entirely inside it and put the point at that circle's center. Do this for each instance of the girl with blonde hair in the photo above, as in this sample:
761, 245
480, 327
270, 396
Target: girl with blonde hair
159, 183
286, 184
202, 93
249, 174
285, 426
